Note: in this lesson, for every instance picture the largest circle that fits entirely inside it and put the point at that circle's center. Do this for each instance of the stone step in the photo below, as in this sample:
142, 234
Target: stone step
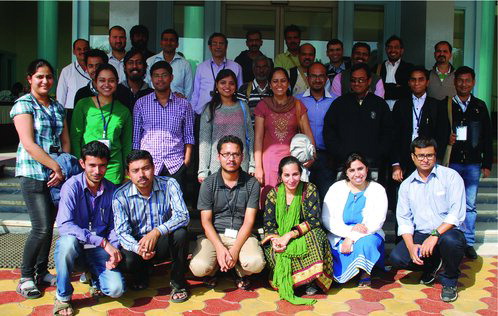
488, 198
12, 202
488, 182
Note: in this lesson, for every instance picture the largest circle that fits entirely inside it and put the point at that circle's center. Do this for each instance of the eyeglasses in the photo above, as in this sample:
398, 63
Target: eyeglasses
358, 80
421, 157
231, 155
162, 76
315, 77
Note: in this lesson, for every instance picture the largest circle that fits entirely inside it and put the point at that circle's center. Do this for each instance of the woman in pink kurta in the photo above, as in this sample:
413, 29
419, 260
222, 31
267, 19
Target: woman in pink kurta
278, 119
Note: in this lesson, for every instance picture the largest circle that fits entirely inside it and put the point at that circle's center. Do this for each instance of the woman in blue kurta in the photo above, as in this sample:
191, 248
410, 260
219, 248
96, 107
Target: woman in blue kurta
354, 211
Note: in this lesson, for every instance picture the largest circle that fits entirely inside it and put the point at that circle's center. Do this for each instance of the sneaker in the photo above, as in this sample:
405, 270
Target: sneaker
428, 277
83, 279
449, 293
470, 252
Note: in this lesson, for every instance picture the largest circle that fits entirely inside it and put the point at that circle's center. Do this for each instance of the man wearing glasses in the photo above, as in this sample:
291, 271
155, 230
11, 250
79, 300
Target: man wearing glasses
430, 211
228, 201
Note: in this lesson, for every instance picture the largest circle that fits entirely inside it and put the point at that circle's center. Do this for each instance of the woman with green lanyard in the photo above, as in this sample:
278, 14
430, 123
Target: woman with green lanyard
102, 117
40, 123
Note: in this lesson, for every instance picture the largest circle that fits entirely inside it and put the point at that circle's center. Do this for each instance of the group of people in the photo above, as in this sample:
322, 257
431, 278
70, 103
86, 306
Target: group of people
133, 119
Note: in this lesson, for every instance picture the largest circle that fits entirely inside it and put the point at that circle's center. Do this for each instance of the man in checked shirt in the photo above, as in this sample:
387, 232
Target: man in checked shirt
150, 220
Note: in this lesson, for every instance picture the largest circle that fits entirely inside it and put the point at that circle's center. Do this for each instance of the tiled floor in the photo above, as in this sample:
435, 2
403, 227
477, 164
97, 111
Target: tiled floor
396, 294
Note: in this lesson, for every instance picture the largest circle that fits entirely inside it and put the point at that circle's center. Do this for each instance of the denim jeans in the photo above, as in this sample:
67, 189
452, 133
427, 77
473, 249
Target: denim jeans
450, 248
42, 213
69, 253
470, 174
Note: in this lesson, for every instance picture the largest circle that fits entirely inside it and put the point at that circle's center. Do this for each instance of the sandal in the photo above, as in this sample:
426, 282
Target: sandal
242, 283
311, 289
365, 282
59, 306
30, 291
181, 295
210, 281
96, 292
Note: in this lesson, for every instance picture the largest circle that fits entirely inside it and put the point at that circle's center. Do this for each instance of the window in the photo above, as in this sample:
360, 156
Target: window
189, 23
369, 28
458, 37
99, 25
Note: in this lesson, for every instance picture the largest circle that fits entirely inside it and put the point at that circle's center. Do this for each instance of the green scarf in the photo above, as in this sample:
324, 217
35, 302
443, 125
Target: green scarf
286, 219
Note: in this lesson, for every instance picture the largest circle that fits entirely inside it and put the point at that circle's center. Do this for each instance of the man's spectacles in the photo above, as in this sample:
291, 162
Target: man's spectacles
162, 76
358, 80
231, 155
421, 157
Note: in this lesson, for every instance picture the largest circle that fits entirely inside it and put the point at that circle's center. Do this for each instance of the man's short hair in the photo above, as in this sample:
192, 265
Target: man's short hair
252, 32
170, 31
423, 142
307, 44
420, 69
80, 39
363, 66
292, 28
360, 44
260, 58
96, 53
217, 34
132, 52
138, 154
162, 64
465, 70
117, 27
316, 63
95, 149
139, 29
230, 139
395, 38
445, 43
335, 41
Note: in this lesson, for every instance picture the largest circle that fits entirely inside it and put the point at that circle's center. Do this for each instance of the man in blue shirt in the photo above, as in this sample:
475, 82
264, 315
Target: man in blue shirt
318, 100
151, 219
86, 228
431, 209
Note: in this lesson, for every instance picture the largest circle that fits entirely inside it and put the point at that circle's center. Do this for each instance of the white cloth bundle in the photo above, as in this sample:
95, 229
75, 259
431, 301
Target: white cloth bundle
302, 148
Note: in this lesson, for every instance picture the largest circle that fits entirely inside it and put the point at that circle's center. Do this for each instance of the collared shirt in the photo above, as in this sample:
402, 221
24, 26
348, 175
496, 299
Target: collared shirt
463, 104
144, 86
182, 73
418, 103
48, 123
228, 204
72, 78
163, 130
286, 60
441, 75
301, 83
204, 81
425, 205
85, 216
316, 113
391, 70
119, 65
332, 71
256, 94
136, 215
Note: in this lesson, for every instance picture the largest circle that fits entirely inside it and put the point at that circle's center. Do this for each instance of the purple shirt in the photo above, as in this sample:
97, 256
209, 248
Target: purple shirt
163, 130
204, 81
88, 218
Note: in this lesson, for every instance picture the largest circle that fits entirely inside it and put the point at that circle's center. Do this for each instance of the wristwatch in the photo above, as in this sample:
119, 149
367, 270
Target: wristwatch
434, 232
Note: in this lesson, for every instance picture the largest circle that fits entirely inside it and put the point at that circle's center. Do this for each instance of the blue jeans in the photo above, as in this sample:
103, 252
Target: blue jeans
470, 174
69, 253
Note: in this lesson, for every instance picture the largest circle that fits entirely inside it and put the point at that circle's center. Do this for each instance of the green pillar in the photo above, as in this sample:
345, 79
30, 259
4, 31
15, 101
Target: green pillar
47, 31
485, 60
193, 33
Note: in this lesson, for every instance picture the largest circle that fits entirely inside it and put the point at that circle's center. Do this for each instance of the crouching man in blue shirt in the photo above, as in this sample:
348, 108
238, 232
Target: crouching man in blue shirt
86, 228
431, 209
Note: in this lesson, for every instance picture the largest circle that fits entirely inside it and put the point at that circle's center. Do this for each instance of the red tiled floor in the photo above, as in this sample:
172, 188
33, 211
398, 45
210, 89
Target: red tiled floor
10, 297
123, 312
493, 280
343, 314
193, 313
217, 306
286, 308
8, 275
361, 307
387, 287
493, 290
239, 295
371, 295
144, 304
419, 313
431, 306
491, 301
432, 293
487, 312
42, 310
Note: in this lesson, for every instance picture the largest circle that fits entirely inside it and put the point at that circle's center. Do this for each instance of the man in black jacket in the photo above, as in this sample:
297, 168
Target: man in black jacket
394, 71
472, 152
359, 121
416, 115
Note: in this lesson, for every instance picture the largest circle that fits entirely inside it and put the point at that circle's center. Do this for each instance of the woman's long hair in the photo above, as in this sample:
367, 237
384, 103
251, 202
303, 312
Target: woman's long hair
347, 164
215, 102
289, 160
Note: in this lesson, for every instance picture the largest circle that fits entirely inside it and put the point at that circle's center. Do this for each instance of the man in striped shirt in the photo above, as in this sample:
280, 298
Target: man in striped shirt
150, 219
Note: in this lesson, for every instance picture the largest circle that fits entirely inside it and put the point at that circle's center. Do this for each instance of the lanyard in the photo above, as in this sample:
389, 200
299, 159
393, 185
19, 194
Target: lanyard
212, 71
106, 123
76, 67
232, 207
92, 211
417, 117
50, 114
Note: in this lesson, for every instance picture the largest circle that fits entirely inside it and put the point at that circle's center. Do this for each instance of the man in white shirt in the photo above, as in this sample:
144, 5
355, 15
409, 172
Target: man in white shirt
117, 41
73, 76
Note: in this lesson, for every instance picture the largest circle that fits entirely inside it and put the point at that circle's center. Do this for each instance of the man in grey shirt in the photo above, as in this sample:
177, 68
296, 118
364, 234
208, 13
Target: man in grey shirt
431, 208
228, 200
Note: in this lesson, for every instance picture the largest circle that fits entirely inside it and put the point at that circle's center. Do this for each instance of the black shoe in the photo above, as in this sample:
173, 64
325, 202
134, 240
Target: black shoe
428, 277
470, 252
449, 294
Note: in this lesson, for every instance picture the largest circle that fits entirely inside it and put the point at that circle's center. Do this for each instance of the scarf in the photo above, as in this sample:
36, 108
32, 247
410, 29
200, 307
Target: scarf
286, 219
280, 108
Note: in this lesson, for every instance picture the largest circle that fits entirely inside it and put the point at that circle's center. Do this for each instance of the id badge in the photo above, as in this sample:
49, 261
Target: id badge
461, 133
106, 142
90, 246
232, 233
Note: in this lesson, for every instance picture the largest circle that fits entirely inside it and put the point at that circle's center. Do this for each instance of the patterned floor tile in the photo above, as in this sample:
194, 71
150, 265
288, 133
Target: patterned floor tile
396, 307
325, 307
286, 308
432, 306
216, 306
144, 304
360, 307
10, 297
14, 309
123, 312
239, 295
371, 295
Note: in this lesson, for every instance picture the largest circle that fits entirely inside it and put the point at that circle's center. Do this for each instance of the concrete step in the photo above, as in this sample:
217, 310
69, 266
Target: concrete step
10, 185
488, 182
489, 198
12, 202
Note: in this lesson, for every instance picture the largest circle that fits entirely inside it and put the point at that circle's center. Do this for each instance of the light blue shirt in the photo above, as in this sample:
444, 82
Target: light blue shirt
136, 215
119, 65
182, 73
424, 205
463, 104
316, 113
